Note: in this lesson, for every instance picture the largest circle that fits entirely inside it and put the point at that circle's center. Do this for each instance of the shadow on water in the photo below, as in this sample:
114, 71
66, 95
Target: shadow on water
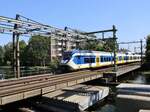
105, 106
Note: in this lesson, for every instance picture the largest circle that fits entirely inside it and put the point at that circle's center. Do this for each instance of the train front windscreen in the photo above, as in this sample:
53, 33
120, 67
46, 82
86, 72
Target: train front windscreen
66, 57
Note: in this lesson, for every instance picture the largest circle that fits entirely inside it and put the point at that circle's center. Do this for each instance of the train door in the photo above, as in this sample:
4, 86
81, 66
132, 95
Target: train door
79, 61
117, 59
97, 61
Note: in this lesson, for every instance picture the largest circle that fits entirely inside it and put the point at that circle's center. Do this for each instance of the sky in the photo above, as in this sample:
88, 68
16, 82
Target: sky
131, 17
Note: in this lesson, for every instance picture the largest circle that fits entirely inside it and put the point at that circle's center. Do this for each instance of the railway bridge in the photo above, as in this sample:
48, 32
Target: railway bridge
12, 90
20, 88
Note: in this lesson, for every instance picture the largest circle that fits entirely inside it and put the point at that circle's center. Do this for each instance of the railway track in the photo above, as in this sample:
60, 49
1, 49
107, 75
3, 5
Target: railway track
31, 80
15, 86
52, 80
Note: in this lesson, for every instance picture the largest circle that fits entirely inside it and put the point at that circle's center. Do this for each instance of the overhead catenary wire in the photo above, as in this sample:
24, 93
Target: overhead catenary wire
30, 25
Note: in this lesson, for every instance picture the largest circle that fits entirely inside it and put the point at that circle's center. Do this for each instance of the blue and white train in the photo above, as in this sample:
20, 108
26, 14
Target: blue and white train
80, 59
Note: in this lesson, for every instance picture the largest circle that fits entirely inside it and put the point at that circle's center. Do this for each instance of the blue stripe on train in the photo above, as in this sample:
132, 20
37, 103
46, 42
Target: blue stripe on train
82, 59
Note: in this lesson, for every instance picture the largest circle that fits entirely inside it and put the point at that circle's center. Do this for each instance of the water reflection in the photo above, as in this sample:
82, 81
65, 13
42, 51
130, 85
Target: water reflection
140, 79
107, 108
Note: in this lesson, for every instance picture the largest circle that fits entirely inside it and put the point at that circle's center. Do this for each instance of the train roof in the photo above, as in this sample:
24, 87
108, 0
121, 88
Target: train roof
90, 51
86, 51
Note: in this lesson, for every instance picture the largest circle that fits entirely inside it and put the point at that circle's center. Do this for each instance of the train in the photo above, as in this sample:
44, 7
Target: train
82, 59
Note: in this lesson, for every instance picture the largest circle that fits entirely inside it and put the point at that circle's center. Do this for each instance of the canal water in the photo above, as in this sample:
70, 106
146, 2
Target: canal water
138, 77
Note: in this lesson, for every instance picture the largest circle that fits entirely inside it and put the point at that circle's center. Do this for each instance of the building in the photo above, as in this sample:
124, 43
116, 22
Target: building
59, 45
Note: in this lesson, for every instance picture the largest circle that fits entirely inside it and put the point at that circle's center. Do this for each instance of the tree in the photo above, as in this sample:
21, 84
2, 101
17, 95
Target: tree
148, 49
92, 45
96, 45
8, 54
109, 45
1, 55
22, 46
37, 51
123, 50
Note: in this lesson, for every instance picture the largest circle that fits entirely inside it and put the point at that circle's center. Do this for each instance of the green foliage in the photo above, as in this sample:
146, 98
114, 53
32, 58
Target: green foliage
37, 51
54, 65
107, 45
8, 54
1, 55
22, 46
91, 45
148, 49
123, 50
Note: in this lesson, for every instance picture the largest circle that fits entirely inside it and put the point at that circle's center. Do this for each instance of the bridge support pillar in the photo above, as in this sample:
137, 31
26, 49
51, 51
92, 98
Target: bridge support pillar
110, 76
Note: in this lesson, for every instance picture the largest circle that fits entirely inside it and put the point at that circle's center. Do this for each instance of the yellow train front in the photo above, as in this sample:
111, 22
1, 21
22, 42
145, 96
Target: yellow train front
80, 59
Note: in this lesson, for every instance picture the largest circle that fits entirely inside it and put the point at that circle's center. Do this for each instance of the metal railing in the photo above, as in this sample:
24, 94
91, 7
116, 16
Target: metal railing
7, 74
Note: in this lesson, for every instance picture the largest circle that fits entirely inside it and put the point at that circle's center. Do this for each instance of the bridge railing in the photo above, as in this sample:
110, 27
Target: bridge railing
7, 74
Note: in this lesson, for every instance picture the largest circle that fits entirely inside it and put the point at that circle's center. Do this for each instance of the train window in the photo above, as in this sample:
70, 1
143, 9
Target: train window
89, 60
92, 60
124, 58
78, 57
109, 58
86, 60
106, 58
67, 55
120, 58
112, 58
102, 59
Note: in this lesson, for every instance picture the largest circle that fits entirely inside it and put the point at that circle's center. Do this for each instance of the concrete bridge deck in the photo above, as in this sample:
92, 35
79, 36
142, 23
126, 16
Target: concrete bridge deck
84, 96
11, 92
122, 70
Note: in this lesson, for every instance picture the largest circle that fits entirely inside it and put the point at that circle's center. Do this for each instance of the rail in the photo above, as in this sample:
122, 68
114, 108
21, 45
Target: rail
36, 85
